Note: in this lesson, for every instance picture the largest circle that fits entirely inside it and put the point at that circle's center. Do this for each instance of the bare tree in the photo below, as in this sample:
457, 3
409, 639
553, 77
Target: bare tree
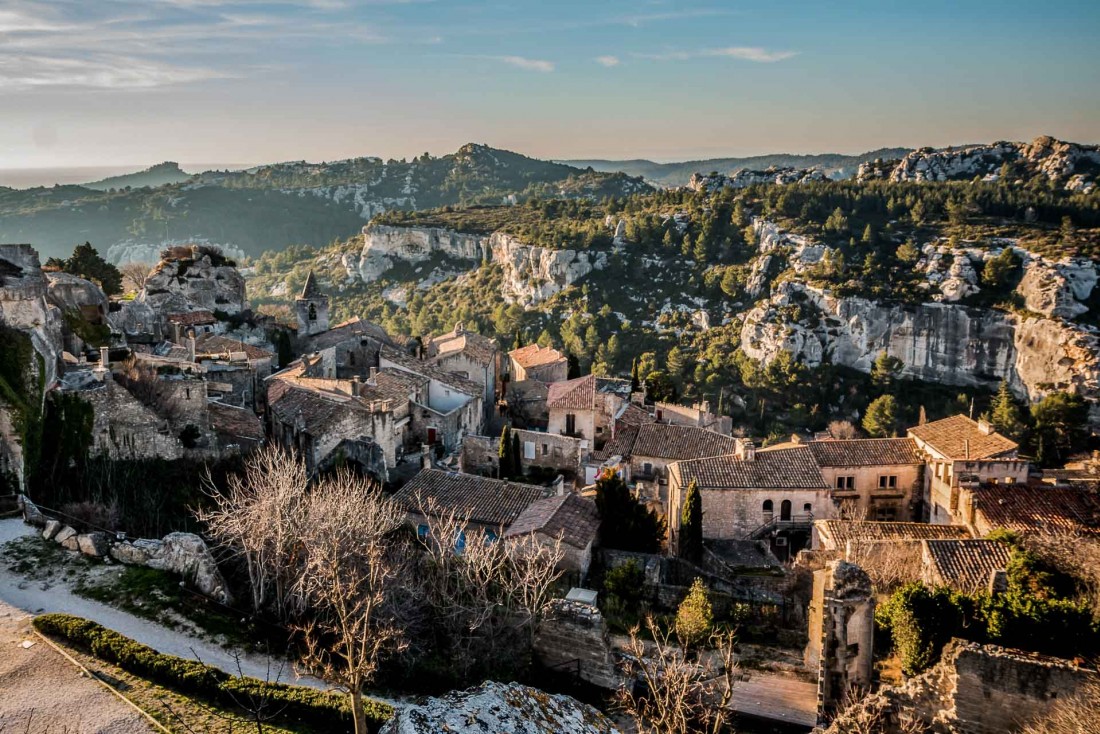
1076, 714
668, 692
348, 580
861, 713
842, 430
889, 564
1075, 555
135, 274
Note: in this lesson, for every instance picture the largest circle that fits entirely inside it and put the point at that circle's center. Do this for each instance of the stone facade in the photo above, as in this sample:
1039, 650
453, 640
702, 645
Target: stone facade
841, 632
574, 637
480, 454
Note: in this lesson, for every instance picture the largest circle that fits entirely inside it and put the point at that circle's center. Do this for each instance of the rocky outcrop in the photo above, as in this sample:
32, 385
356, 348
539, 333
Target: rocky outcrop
531, 274
1045, 156
937, 342
502, 708
135, 251
193, 279
71, 293
181, 553
1057, 288
745, 177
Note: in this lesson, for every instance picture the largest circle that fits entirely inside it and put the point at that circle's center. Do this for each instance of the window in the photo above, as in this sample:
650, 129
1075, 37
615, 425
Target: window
888, 481
808, 508
460, 542
847, 483
647, 468
570, 423
422, 531
886, 513
490, 536
546, 449
187, 393
528, 450
312, 312
785, 510
768, 507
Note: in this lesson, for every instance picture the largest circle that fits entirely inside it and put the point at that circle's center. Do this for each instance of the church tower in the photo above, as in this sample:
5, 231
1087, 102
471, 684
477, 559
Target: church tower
312, 307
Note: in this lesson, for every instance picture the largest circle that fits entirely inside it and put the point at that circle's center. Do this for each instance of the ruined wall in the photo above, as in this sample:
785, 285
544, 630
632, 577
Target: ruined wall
573, 637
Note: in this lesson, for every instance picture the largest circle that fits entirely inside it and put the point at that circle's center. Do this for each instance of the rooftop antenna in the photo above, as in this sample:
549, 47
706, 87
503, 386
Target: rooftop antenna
971, 408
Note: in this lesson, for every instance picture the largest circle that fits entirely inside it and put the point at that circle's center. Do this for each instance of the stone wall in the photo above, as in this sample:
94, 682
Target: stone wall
573, 638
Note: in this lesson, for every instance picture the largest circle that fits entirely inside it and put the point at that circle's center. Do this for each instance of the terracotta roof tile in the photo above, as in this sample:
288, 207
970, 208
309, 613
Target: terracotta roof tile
621, 445
569, 516
410, 363
534, 355
1027, 508
473, 498
235, 422
634, 415
218, 344
965, 565
959, 438
837, 533
792, 468
866, 452
480, 348
576, 394
342, 333
664, 441
190, 318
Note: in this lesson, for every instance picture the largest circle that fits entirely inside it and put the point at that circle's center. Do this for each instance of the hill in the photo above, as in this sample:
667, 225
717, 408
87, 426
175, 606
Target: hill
168, 172
834, 165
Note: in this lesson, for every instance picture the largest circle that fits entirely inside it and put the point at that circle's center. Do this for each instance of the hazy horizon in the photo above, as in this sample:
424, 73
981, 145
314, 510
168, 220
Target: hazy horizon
130, 83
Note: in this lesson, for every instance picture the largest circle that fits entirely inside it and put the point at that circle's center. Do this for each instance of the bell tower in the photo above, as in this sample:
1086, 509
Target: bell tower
312, 308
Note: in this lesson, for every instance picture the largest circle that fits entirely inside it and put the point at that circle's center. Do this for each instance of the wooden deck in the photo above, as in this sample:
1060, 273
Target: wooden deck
776, 698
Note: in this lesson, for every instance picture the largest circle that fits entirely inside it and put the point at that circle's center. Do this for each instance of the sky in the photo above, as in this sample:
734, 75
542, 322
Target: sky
135, 82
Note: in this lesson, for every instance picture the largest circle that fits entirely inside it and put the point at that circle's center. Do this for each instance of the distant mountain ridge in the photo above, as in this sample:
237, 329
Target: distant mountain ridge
834, 165
161, 174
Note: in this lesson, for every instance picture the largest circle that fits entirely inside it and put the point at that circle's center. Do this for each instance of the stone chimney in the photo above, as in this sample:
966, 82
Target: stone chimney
191, 346
355, 385
425, 456
746, 449
373, 379
105, 358
559, 485
985, 427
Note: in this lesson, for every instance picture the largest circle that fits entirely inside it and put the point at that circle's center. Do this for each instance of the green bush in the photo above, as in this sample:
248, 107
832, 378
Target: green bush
323, 709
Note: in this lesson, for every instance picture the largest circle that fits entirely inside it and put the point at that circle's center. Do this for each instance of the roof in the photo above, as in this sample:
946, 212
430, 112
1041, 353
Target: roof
576, 394
837, 533
480, 348
311, 289
190, 318
621, 445
966, 565
959, 438
410, 363
664, 441
235, 422
633, 415
568, 516
1042, 508
216, 343
473, 498
792, 468
534, 355
865, 452
349, 330
391, 383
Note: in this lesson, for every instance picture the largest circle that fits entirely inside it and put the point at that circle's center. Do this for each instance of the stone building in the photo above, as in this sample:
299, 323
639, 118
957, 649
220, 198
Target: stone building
959, 453
534, 362
841, 632
698, 415
968, 565
872, 478
841, 535
347, 349
450, 408
538, 450
656, 445
586, 407
1029, 508
311, 308
568, 518
469, 355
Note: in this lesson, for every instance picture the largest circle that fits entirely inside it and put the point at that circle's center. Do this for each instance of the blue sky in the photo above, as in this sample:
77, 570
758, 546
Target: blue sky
119, 82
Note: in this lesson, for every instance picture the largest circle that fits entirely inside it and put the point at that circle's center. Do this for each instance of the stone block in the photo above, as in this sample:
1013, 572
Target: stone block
93, 544
64, 534
51, 529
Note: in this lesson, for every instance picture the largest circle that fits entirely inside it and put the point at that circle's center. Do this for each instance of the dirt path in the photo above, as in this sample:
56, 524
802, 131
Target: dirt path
41, 691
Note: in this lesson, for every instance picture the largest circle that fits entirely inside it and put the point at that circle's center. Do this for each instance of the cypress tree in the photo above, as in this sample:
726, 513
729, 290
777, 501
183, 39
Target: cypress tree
691, 524
517, 464
504, 452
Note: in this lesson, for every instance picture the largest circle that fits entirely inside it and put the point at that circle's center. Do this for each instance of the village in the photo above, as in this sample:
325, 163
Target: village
798, 546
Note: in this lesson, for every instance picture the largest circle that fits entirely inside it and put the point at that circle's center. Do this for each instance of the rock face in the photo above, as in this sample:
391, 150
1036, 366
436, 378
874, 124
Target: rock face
190, 282
1044, 156
132, 251
71, 293
500, 708
744, 177
531, 274
1057, 288
183, 553
936, 342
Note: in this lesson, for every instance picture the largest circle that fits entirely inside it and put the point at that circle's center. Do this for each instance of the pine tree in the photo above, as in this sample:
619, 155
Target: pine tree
881, 418
885, 371
1005, 414
504, 452
691, 524
694, 616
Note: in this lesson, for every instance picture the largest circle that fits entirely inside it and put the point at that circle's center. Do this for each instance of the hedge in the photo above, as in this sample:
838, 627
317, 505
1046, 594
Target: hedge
323, 709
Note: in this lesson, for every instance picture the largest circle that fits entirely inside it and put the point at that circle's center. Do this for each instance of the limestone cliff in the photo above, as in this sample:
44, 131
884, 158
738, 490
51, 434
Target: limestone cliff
745, 177
192, 279
531, 274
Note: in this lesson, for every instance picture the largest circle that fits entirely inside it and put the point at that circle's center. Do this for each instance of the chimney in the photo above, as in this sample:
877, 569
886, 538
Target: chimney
746, 449
985, 427
966, 444
104, 358
191, 346
355, 385
425, 456
373, 379
558, 486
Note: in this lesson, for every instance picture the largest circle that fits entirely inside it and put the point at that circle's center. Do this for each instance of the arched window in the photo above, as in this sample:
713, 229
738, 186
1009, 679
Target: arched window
768, 506
312, 312
785, 510
808, 508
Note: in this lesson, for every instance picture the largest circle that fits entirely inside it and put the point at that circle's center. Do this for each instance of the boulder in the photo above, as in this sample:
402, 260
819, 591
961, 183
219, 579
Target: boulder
187, 555
93, 544
136, 553
52, 528
508, 708
65, 534
31, 514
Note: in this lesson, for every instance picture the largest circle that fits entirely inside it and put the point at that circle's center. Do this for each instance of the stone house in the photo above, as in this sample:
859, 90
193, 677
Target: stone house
567, 517
347, 349
872, 478
190, 323
586, 407
469, 355
1029, 508
538, 450
697, 415
533, 362
234, 369
776, 493
488, 506
450, 408
236, 428
960, 452
656, 445
839, 535
525, 403
968, 565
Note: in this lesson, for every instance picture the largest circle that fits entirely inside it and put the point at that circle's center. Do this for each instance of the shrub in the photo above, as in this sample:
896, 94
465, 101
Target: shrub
694, 616
322, 709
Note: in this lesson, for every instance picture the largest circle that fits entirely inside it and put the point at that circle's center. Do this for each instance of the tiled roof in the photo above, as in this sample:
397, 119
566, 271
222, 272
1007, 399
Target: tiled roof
837, 533
473, 498
575, 394
392, 384
190, 318
235, 422
480, 348
663, 441
349, 330
569, 516
1043, 508
866, 452
966, 565
621, 445
534, 355
410, 363
959, 438
218, 344
792, 468
633, 415
318, 409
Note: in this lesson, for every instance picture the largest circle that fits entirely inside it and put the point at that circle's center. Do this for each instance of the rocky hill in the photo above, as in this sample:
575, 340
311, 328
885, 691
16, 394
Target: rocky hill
271, 207
161, 174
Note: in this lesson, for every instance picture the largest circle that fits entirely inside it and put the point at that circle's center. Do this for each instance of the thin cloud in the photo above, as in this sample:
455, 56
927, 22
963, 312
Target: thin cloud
522, 62
746, 53
29, 72
608, 61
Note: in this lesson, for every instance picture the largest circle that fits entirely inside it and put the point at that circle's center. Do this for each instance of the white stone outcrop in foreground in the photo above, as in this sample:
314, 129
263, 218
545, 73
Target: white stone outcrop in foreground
500, 708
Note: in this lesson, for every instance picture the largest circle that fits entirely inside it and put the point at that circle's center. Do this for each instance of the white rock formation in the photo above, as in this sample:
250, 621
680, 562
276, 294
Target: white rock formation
181, 285
71, 293
745, 177
128, 251
1057, 288
500, 708
181, 553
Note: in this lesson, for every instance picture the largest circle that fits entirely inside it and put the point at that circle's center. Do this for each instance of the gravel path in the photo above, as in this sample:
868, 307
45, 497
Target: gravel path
31, 597
41, 691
